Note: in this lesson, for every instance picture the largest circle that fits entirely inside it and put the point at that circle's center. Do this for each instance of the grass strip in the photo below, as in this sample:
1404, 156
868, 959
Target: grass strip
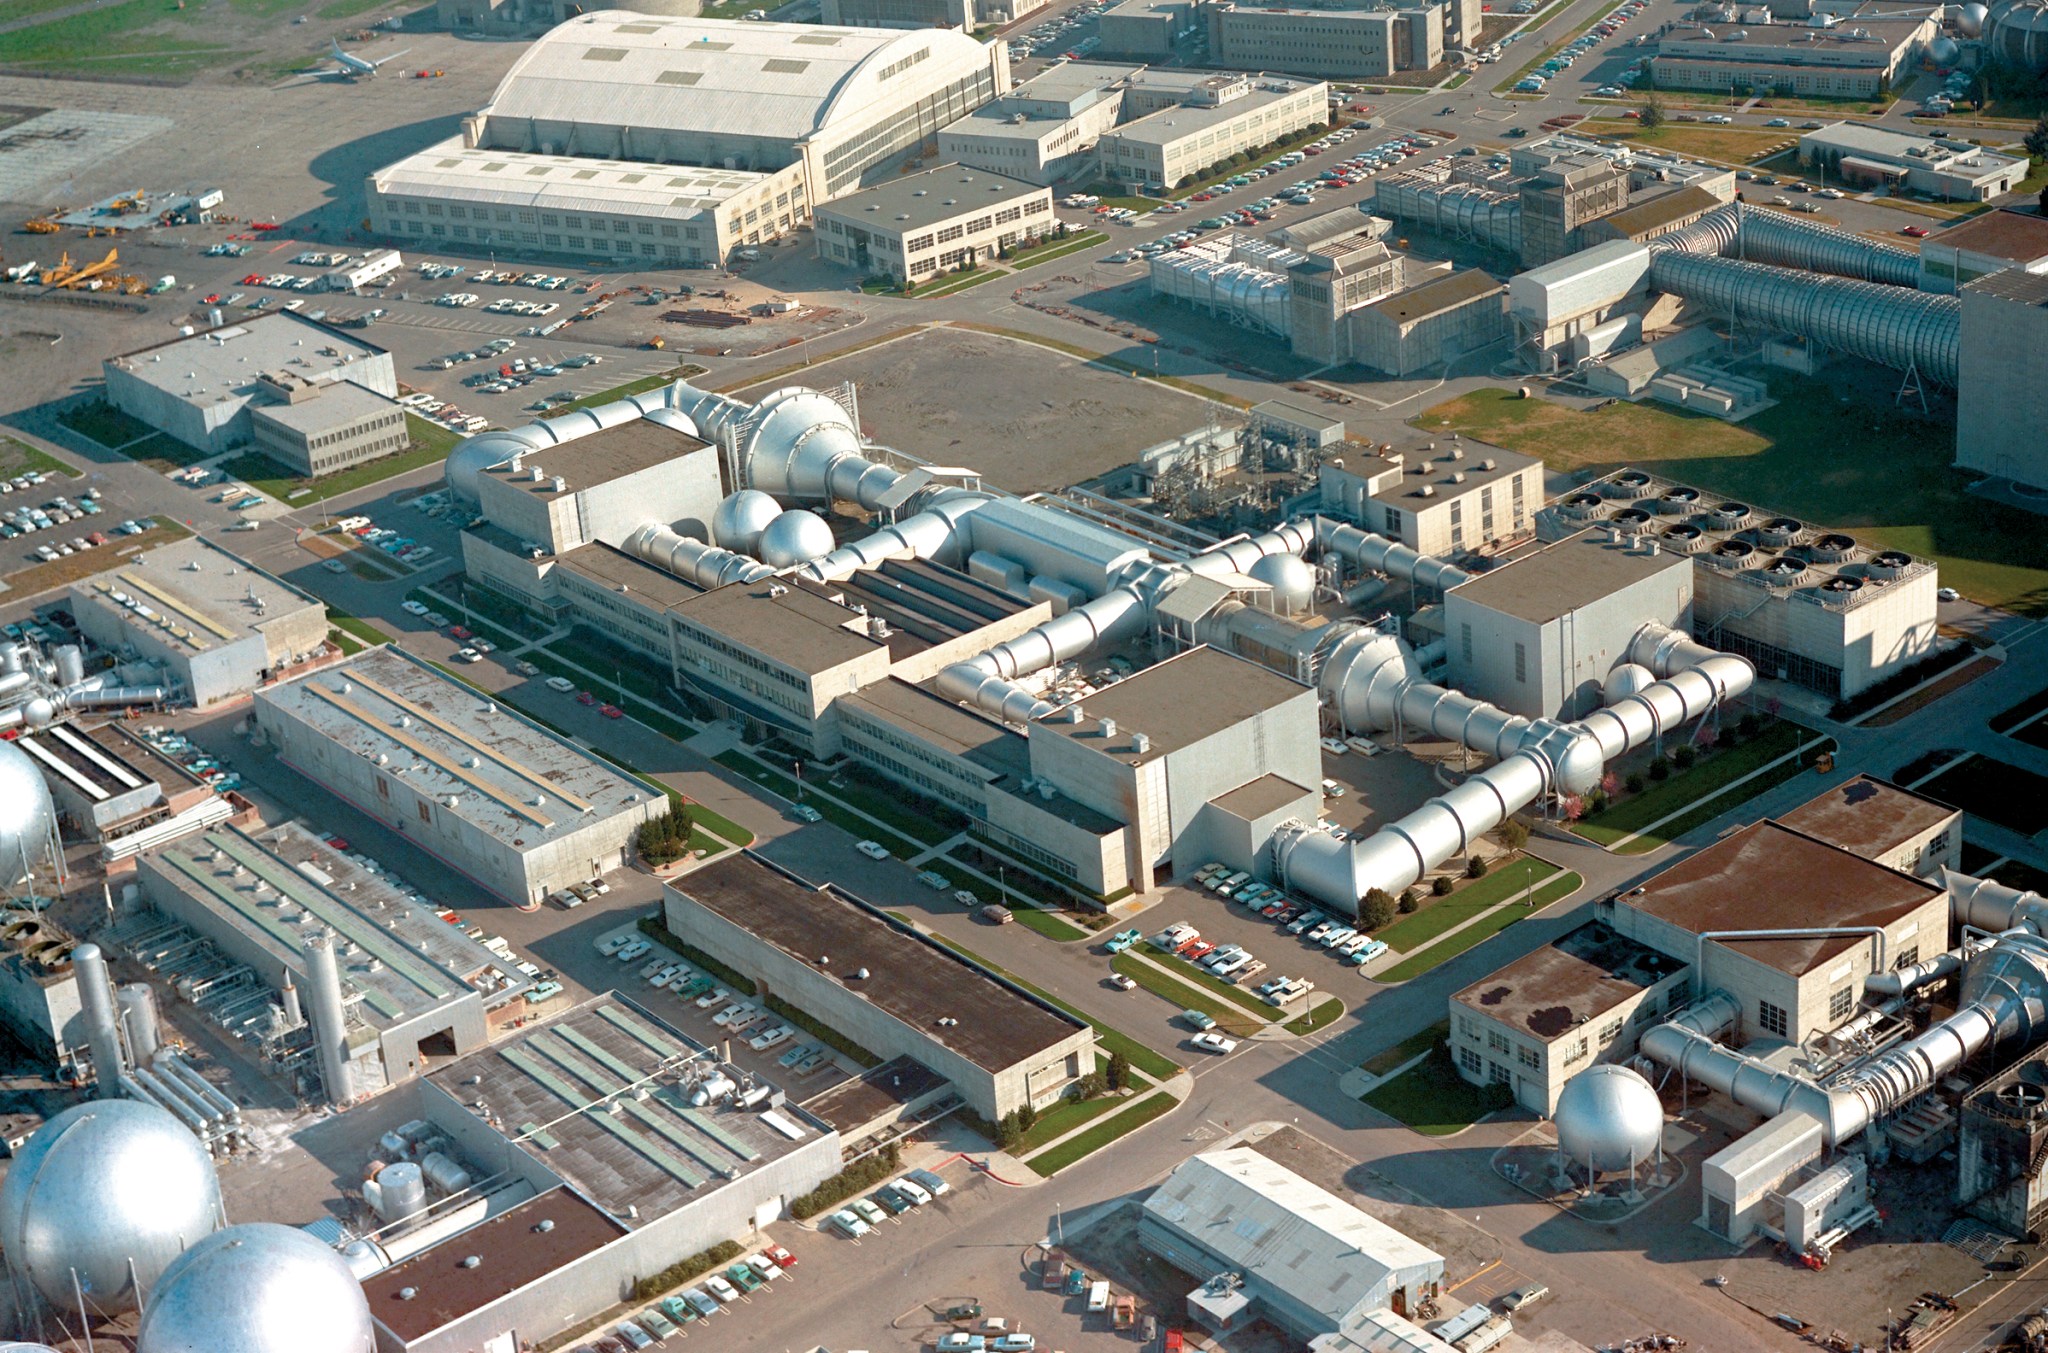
653, 929
1084, 1144
2020, 713
1709, 809
1233, 1022
1996, 791
1321, 1016
1412, 932
835, 812
1409, 1048
361, 629
1710, 776
1137, 1054
431, 443
1433, 1100
1237, 996
825, 1033
348, 645
1066, 1116
1047, 924
1052, 249
17, 458
1480, 931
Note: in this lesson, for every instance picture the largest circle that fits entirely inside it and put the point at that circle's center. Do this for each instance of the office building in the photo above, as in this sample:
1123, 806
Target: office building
941, 220
1147, 30
1861, 59
1045, 129
1188, 122
915, 14
1438, 503
315, 429
1333, 44
1993, 241
1952, 169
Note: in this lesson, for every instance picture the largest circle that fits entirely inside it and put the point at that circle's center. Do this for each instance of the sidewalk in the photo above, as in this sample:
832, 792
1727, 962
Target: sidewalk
1615, 847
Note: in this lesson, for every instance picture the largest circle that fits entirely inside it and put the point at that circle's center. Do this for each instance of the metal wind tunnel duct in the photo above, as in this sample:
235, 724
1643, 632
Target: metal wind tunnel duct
988, 681
1783, 241
1884, 324
692, 560
1378, 554
324, 1011
96, 1004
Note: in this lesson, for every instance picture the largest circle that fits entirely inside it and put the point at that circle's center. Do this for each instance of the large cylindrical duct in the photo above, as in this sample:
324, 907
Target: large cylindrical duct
294, 1015
70, 665
477, 454
329, 1024
1887, 325
988, 680
1377, 554
1238, 556
138, 1018
691, 560
96, 1008
1758, 236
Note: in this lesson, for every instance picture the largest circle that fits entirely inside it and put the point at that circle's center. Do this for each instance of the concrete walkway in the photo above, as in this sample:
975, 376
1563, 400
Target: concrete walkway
1615, 847
1394, 957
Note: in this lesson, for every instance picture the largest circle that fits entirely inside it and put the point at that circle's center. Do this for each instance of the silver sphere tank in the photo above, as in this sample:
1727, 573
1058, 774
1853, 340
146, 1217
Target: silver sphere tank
1970, 21
1944, 52
795, 537
1627, 679
257, 1288
2017, 33
740, 519
1292, 578
1609, 1117
97, 1186
27, 817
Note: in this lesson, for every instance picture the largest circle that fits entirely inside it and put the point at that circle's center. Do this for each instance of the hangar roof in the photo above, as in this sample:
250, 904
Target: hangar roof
770, 80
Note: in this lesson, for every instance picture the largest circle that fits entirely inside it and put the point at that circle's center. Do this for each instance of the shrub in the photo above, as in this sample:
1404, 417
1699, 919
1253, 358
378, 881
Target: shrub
1409, 902
1635, 782
1595, 803
665, 839
1684, 756
1512, 834
1441, 885
681, 1271
863, 1173
1727, 739
1089, 1086
1749, 725
1660, 769
1376, 910
1475, 868
1119, 1071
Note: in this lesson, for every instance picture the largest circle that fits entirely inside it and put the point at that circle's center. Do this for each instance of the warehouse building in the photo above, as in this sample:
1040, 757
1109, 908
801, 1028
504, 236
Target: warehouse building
632, 1146
1821, 58
677, 140
1978, 246
1269, 1245
521, 810
960, 14
414, 988
2000, 399
941, 220
1336, 44
1949, 168
1788, 988
1438, 502
1431, 324
1147, 30
114, 788
1539, 634
1805, 604
315, 429
1045, 129
217, 624
203, 388
1202, 120
885, 986
1335, 279
1644, 220
1557, 1010
1884, 824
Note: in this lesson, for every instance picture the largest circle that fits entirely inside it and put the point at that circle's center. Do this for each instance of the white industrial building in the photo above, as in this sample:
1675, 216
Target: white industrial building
1336, 44
939, 220
2000, 396
1443, 500
216, 624
115, 788
889, 988
1977, 246
1269, 1245
1045, 129
202, 388
676, 140
1823, 57
1188, 121
313, 428
1946, 167
521, 810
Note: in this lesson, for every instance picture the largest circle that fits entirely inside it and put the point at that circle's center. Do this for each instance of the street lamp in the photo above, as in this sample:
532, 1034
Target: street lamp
798, 767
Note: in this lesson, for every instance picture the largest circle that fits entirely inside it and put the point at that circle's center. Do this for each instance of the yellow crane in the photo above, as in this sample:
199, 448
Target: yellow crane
74, 277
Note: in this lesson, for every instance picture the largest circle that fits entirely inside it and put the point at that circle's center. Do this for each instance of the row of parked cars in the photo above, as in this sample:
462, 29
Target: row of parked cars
1344, 940
736, 1016
916, 1189
1534, 82
711, 1295
400, 547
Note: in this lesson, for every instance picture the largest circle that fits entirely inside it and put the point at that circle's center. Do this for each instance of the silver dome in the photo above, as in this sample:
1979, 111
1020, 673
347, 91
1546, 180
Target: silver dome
97, 1186
1609, 1118
1292, 578
1626, 679
795, 537
2017, 33
740, 519
27, 817
1944, 52
257, 1288
1970, 21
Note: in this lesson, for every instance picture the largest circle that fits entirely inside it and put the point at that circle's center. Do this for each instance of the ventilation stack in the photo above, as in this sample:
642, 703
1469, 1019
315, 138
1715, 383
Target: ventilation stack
96, 1004
330, 1028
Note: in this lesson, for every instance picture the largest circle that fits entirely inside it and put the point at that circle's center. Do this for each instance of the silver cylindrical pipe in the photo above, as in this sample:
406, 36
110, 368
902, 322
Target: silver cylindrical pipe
171, 1094
202, 1089
96, 1008
1237, 556
988, 680
138, 1017
294, 1015
706, 566
1987, 904
1902, 981
930, 534
1377, 554
329, 1024
70, 664
1756, 236
115, 695
133, 1087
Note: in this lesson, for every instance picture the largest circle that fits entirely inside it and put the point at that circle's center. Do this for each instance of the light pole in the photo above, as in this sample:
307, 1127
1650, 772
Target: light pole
798, 767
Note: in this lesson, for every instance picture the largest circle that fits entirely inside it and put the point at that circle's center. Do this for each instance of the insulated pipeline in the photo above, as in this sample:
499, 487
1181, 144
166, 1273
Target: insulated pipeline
1758, 236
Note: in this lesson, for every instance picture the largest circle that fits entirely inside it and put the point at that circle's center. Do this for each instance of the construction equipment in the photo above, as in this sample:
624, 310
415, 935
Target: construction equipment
40, 226
68, 278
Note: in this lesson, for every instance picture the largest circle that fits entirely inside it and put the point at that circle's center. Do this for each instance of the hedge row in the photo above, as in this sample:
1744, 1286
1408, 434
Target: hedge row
680, 1272
654, 930
864, 1173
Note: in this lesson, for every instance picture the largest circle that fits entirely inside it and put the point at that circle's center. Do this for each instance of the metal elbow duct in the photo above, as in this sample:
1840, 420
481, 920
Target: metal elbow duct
931, 533
1902, 981
988, 680
1237, 556
1377, 554
1987, 904
693, 561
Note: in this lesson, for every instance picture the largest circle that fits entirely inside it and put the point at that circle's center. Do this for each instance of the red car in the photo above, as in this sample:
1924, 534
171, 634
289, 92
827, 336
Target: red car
254, 279
263, 225
337, 842
1197, 951
458, 632
1915, 232
611, 711
214, 299
783, 1258
585, 698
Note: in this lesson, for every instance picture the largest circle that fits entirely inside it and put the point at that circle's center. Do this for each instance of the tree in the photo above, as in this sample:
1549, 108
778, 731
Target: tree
1409, 902
1660, 769
665, 839
1512, 834
1376, 910
2036, 141
1475, 868
1119, 1071
1441, 885
1650, 113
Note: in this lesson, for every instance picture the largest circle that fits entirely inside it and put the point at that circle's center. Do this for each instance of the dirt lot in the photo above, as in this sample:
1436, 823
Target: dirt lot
1051, 420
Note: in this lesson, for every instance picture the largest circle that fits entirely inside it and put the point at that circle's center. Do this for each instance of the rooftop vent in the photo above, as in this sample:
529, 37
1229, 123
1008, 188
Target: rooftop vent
1781, 531
472, 1261
1629, 484
1834, 547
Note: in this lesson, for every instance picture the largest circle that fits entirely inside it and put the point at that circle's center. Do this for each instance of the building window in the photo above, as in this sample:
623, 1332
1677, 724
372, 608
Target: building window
1496, 1040
1840, 1003
1771, 1018
1527, 1056
1499, 1074
426, 812
1610, 1031
1576, 1050
1471, 1061
1465, 641
1521, 665
1908, 957
383, 789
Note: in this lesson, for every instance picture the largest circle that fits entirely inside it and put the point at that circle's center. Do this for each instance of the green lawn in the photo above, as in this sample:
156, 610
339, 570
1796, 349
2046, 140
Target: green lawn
888, 804
1321, 1016
107, 425
1065, 1117
1232, 1021
1897, 490
1433, 1100
1413, 931
1729, 145
431, 443
1056, 248
361, 629
18, 458
1481, 930
1046, 924
622, 666
1709, 777
834, 811
349, 9
139, 35
1710, 809
1414, 1045
1153, 1064
1087, 1143
342, 640
1996, 791
1237, 996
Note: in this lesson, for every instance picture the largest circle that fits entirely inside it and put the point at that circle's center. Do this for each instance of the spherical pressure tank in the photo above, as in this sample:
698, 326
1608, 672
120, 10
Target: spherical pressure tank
97, 1186
27, 817
795, 537
257, 1288
1944, 52
740, 519
1609, 1118
2017, 33
1630, 678
1292, 579
1970, 21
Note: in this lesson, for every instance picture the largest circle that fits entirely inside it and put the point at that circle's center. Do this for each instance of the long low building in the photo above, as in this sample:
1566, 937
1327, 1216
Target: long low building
1339, 44
1199, 120
1858, 59
874, 980
1949, 168
942, 220
518, 808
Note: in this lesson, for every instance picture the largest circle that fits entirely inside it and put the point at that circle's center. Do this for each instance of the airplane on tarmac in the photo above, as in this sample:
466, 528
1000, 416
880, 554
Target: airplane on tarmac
355, 67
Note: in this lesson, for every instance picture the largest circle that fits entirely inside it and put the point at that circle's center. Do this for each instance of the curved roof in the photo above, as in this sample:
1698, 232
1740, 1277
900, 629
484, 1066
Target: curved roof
775, 80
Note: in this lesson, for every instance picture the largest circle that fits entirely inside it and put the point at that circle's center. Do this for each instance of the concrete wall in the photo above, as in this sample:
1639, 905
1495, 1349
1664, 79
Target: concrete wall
1487, 1051
2002, 405
1404, 349
1098, 863
209, 675
379, 433
44, 1017
1240, 842
1850, 647
1038, 1079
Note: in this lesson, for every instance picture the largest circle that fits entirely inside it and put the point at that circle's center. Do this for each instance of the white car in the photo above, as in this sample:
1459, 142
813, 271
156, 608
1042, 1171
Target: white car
1214, 1042
1948, 594
1335, 746
413, 607
614, 944
874, 850
562, 684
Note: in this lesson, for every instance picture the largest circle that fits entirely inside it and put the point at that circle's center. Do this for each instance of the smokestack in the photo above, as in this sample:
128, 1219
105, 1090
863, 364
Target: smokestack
96, 1000
138, 1020
294, 1016
330, 1030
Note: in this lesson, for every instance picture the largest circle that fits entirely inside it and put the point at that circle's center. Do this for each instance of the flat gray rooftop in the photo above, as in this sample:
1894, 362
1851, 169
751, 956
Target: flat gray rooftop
794, 626
1559, 578
1867, 816
509, 777
892, 1087
1438, 295
1577, 977
953, 727
195, 594
286, 883
104, 763
227, 360
552, 1086
912, 978
1173, 124
1071, 80
338, 402
1254, 799
615, 570
599, 458
1175, 703
929, 198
